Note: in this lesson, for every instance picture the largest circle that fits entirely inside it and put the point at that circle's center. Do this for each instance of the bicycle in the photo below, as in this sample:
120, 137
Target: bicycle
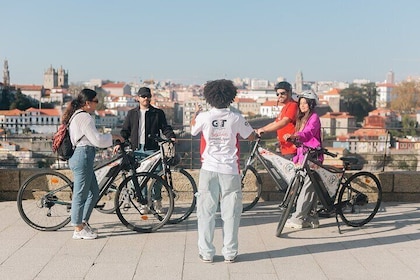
282, 171
184, 187
44, 199
355, 199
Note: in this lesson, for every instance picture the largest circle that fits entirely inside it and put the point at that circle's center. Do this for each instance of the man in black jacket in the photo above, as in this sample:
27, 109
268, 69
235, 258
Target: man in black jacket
139, 125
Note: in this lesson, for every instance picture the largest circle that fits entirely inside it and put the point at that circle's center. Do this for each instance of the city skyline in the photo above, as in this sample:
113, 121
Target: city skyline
191, 42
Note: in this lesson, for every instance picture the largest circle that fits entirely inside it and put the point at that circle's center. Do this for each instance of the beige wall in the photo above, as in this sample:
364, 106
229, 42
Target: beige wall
399, 186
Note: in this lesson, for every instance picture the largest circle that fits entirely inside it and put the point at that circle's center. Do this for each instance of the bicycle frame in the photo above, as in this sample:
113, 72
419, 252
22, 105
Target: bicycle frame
281, 180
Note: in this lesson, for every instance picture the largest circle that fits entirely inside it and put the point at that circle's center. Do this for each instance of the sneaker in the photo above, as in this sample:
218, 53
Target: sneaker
144, 209
231, 260
312, 223
87, 227
205, 260
84, 234
292, 224
157, 204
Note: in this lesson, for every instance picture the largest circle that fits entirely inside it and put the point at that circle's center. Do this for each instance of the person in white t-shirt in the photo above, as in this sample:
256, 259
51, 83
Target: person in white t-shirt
219, 174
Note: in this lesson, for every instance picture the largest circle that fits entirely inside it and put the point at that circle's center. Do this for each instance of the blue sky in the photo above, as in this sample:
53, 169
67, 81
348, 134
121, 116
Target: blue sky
194, 41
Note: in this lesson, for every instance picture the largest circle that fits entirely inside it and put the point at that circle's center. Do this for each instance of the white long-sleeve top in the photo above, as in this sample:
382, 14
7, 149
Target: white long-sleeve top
83, 124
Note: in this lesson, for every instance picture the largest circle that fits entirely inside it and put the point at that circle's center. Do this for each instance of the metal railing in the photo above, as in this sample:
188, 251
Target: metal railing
34, 151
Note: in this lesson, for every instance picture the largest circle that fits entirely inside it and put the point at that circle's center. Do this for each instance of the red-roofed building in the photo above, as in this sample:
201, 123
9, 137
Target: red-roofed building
118, 89
368, 140
247, 106
36, 120
338, 123
383, 118
33, 91
332, 98
270, 108
106, 119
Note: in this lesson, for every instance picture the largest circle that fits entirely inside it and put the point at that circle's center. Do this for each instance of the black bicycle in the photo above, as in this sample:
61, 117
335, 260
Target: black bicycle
44, 199
355, 199
282, 171
181, 183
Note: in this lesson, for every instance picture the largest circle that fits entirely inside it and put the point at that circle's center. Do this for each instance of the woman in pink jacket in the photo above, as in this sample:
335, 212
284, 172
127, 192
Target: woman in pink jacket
308, 132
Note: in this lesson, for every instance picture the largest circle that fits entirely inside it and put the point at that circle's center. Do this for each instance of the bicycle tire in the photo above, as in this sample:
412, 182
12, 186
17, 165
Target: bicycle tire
291, 198
184, 189
128, 210
359, 199
251, 183
44, 200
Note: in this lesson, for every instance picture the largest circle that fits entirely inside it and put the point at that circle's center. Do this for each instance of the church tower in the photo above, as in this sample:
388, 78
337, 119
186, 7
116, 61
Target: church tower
56, 78
62, 78
6, 74
299, 82
50, 78
390, 77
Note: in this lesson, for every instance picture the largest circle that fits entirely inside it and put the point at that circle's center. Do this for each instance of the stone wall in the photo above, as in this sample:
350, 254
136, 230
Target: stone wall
401, 186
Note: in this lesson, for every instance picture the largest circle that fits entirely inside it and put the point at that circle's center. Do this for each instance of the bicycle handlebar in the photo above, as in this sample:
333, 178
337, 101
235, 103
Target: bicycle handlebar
324, 151
159, 139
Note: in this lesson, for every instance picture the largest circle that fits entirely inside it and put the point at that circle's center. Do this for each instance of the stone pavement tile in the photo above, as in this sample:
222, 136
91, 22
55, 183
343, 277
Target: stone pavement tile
389, 243
120, 271
28, 272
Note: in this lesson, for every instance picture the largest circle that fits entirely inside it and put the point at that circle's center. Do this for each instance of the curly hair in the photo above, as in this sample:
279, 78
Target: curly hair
220, 93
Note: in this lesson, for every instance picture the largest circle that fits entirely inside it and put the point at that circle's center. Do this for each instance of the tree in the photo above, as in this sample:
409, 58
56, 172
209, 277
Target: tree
369, 90
355, 101
22, 102
6, 98
409, 125
405, 97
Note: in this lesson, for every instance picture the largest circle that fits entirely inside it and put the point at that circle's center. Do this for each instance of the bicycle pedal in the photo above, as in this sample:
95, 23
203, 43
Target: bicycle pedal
100, 206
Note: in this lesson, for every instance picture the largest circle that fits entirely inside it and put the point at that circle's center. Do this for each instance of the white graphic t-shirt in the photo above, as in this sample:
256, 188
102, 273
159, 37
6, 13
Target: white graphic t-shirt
219, 145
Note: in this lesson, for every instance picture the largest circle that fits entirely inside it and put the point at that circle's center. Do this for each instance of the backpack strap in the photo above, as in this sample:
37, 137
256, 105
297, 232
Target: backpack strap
68, 126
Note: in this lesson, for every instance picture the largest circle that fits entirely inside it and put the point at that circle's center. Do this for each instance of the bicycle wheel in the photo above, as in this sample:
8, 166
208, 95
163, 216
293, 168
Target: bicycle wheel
44, 200
289, 203
128, 210
359, 199
106, 203
184, 189
251, 187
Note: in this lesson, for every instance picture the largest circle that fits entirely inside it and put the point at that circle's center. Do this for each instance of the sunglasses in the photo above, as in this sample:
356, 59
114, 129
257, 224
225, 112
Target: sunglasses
95, 101
145, 96
281, 93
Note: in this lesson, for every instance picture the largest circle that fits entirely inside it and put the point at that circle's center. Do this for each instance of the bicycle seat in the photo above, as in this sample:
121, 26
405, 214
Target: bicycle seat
350, 160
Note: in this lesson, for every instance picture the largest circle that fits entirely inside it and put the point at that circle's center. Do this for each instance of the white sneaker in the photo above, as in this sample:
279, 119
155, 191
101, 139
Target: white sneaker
84, 234
311, 223
87, 227
292, 224
157, 204
144, 209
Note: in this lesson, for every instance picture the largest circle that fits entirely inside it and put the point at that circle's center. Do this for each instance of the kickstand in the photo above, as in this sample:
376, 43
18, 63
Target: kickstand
338, 223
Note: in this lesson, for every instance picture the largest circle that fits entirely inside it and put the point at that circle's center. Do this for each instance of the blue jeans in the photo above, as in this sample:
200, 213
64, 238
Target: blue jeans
85, 187
156, 189
211, 187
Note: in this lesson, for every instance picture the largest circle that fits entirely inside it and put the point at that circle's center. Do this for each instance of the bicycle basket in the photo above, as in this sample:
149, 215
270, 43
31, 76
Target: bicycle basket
172, 157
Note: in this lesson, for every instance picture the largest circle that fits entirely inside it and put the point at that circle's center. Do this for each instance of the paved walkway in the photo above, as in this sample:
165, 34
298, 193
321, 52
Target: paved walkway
386, 248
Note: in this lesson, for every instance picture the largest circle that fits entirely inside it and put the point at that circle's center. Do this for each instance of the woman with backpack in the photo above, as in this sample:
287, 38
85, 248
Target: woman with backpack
85, 137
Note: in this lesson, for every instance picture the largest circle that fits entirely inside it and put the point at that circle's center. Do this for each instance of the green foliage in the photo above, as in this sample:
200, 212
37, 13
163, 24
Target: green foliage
357, 100
409, 125
22, 102
6, 98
